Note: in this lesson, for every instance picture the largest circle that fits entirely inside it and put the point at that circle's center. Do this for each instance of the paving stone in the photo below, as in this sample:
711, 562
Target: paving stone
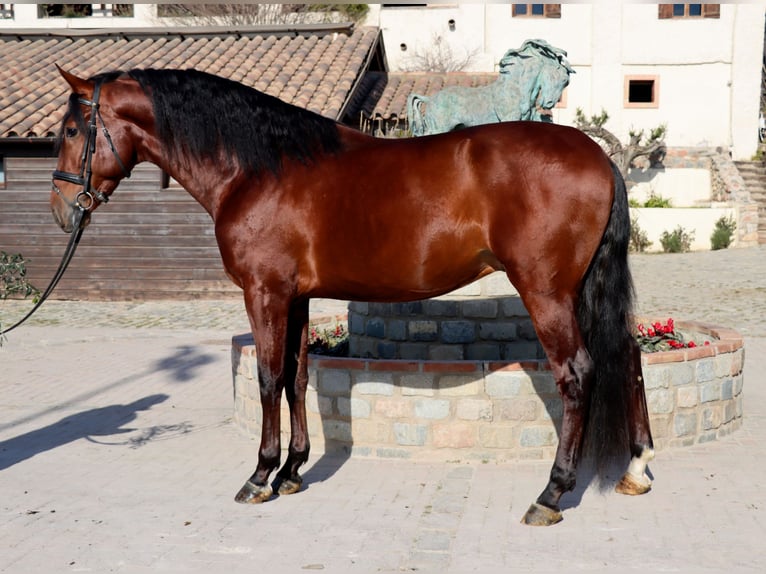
155, 493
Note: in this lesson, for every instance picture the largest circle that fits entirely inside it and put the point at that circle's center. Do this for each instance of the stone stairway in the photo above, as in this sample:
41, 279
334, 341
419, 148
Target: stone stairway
754, 174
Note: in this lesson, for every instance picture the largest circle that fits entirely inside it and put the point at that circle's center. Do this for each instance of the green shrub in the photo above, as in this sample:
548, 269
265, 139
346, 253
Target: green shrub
677, 241
723, 233
13, 280
656, 201
13, 277
639, 241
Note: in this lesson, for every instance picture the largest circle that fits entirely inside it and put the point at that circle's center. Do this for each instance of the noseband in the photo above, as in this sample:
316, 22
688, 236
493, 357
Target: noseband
87, 198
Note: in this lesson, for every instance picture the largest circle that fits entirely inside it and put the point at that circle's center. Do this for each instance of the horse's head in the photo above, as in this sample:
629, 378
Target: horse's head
541, 70
96, 151
553, 79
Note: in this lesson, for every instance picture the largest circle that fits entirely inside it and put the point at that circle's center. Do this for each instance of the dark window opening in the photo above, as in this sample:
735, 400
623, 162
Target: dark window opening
641, 91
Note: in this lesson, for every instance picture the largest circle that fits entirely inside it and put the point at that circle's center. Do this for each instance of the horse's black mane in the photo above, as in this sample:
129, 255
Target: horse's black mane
201, 115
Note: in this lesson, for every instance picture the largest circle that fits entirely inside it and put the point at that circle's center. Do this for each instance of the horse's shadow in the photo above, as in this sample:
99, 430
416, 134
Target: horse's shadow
103, 421
180, 366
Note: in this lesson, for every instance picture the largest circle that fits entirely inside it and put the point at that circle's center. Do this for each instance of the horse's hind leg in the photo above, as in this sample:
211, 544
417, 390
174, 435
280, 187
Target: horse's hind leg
556, 325
296, 382
635, 480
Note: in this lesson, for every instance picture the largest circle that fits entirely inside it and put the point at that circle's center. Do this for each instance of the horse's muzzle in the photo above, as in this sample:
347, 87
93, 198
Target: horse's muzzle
68, 220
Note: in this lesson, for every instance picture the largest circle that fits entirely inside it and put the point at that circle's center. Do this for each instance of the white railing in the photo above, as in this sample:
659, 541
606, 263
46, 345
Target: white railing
102, 10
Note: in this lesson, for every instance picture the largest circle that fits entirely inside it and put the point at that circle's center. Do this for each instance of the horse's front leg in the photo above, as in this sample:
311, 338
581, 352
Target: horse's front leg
296, 382
268, 314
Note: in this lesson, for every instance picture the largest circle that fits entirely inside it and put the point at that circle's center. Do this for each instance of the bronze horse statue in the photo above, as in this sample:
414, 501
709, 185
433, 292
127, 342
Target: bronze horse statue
532, 78
305, 207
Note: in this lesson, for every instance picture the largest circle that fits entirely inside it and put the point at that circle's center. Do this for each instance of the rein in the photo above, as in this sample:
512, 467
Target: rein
85, 201
74, 239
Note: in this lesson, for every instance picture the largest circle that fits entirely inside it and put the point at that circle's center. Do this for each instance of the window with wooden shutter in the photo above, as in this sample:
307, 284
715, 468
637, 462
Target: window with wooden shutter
642, 92
536, 11
680, 11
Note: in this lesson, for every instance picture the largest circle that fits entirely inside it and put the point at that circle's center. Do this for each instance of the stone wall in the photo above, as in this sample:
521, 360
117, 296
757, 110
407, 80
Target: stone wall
493, 410
484, 320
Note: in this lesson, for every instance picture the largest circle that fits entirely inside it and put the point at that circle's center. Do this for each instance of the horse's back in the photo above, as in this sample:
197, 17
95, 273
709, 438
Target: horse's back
439, 211
413, 218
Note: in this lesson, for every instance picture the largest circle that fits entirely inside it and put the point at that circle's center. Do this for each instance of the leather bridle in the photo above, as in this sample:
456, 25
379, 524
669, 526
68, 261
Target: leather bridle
87, 198
85, 201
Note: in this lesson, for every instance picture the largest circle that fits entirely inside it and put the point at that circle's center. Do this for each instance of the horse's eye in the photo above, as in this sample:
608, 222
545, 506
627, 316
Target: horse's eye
71, 132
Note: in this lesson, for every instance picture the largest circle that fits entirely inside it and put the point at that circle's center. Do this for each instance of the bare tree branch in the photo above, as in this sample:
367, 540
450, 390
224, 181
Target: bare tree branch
255, 14
438, 57
623, 156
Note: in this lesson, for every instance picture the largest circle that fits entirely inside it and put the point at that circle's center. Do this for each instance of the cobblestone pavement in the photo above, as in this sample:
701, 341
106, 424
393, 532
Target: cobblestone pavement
117, 454
726, 287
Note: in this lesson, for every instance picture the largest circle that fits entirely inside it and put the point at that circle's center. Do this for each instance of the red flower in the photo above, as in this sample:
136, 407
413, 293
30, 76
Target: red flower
691, 344
650, 332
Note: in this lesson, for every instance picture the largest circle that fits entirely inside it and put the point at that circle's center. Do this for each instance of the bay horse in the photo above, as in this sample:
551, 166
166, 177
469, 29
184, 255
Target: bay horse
305, 207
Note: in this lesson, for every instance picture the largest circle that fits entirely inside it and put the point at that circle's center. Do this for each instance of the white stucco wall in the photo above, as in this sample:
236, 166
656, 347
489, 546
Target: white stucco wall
709, 69
685, 187
418, 27
700, 222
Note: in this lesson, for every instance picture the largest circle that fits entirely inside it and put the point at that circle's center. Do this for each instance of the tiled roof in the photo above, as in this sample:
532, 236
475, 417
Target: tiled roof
316, 68
384, 96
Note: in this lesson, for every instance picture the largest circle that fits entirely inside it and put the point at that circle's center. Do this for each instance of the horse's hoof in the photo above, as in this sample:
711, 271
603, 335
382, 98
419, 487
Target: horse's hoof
540, 515
633, 485
289, 485
253, 494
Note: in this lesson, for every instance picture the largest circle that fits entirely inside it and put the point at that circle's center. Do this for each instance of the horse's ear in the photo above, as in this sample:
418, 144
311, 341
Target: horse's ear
79, 85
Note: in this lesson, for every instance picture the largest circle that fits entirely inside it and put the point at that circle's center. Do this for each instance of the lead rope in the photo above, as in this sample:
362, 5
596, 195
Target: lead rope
74, 239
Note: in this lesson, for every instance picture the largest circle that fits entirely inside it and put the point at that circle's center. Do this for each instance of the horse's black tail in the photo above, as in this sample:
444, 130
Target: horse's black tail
604, 316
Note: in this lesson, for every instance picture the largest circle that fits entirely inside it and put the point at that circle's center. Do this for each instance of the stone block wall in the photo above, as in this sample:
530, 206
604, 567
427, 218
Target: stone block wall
490, 410
485, 320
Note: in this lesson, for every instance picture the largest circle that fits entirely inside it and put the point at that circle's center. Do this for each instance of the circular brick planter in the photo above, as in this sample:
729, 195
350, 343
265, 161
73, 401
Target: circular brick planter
494, 410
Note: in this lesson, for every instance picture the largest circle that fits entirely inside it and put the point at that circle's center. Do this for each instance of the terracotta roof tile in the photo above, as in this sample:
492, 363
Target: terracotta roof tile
384, 96
312, 68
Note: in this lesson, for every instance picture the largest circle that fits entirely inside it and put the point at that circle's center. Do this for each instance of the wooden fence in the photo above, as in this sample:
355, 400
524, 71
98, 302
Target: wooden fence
148, 243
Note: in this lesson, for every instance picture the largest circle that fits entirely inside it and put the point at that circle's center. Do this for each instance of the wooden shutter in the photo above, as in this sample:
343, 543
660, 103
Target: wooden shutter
711, 10
552, 10
666, 11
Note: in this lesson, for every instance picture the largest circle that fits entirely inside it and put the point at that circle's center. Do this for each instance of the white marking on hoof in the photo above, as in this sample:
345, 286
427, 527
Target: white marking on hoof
637, 467
635, 480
